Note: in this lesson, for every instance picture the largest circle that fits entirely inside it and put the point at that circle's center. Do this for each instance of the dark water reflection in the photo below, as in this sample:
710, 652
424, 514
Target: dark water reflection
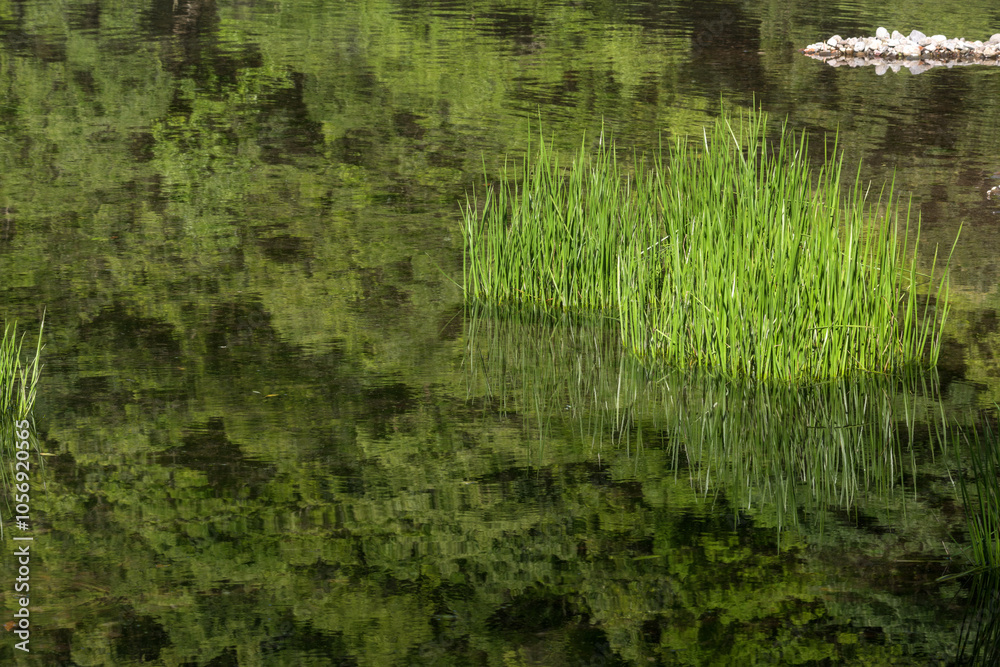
277, 438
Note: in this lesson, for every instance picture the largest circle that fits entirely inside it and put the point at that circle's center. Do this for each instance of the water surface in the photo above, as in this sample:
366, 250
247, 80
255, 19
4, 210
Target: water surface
278, 438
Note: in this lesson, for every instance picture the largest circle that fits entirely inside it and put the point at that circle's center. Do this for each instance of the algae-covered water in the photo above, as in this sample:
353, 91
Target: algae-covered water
270, 433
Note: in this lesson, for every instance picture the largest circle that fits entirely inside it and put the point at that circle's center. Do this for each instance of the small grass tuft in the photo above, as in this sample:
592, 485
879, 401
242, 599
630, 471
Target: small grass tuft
18, 379
18, 386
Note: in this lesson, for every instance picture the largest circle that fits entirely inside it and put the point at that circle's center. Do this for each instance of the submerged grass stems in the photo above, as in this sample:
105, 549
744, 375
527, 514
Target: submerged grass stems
727, 253
980, 640
782, 451
983, 505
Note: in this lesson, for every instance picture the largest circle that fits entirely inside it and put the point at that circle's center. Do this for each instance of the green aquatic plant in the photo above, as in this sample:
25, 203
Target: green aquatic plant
980, 640
984, 503
18, 387
18, 377
727, 253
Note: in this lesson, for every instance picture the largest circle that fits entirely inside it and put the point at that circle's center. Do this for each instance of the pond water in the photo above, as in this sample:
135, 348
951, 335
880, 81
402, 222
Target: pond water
273, 435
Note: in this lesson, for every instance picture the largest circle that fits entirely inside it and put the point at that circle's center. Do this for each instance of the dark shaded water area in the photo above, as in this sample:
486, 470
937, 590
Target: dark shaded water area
273, 435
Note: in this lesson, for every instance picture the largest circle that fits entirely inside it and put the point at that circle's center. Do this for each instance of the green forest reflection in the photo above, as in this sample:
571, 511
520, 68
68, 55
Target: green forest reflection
375, 524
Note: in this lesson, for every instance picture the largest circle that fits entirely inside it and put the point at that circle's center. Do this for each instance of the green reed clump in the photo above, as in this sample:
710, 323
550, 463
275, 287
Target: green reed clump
728, 253
18, 378
18, 385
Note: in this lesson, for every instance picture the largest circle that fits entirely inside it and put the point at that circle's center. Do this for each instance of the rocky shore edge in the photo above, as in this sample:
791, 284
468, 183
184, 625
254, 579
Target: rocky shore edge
916, 51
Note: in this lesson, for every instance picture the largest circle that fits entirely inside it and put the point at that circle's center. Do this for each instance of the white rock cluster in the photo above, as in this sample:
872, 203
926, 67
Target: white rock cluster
916, 51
